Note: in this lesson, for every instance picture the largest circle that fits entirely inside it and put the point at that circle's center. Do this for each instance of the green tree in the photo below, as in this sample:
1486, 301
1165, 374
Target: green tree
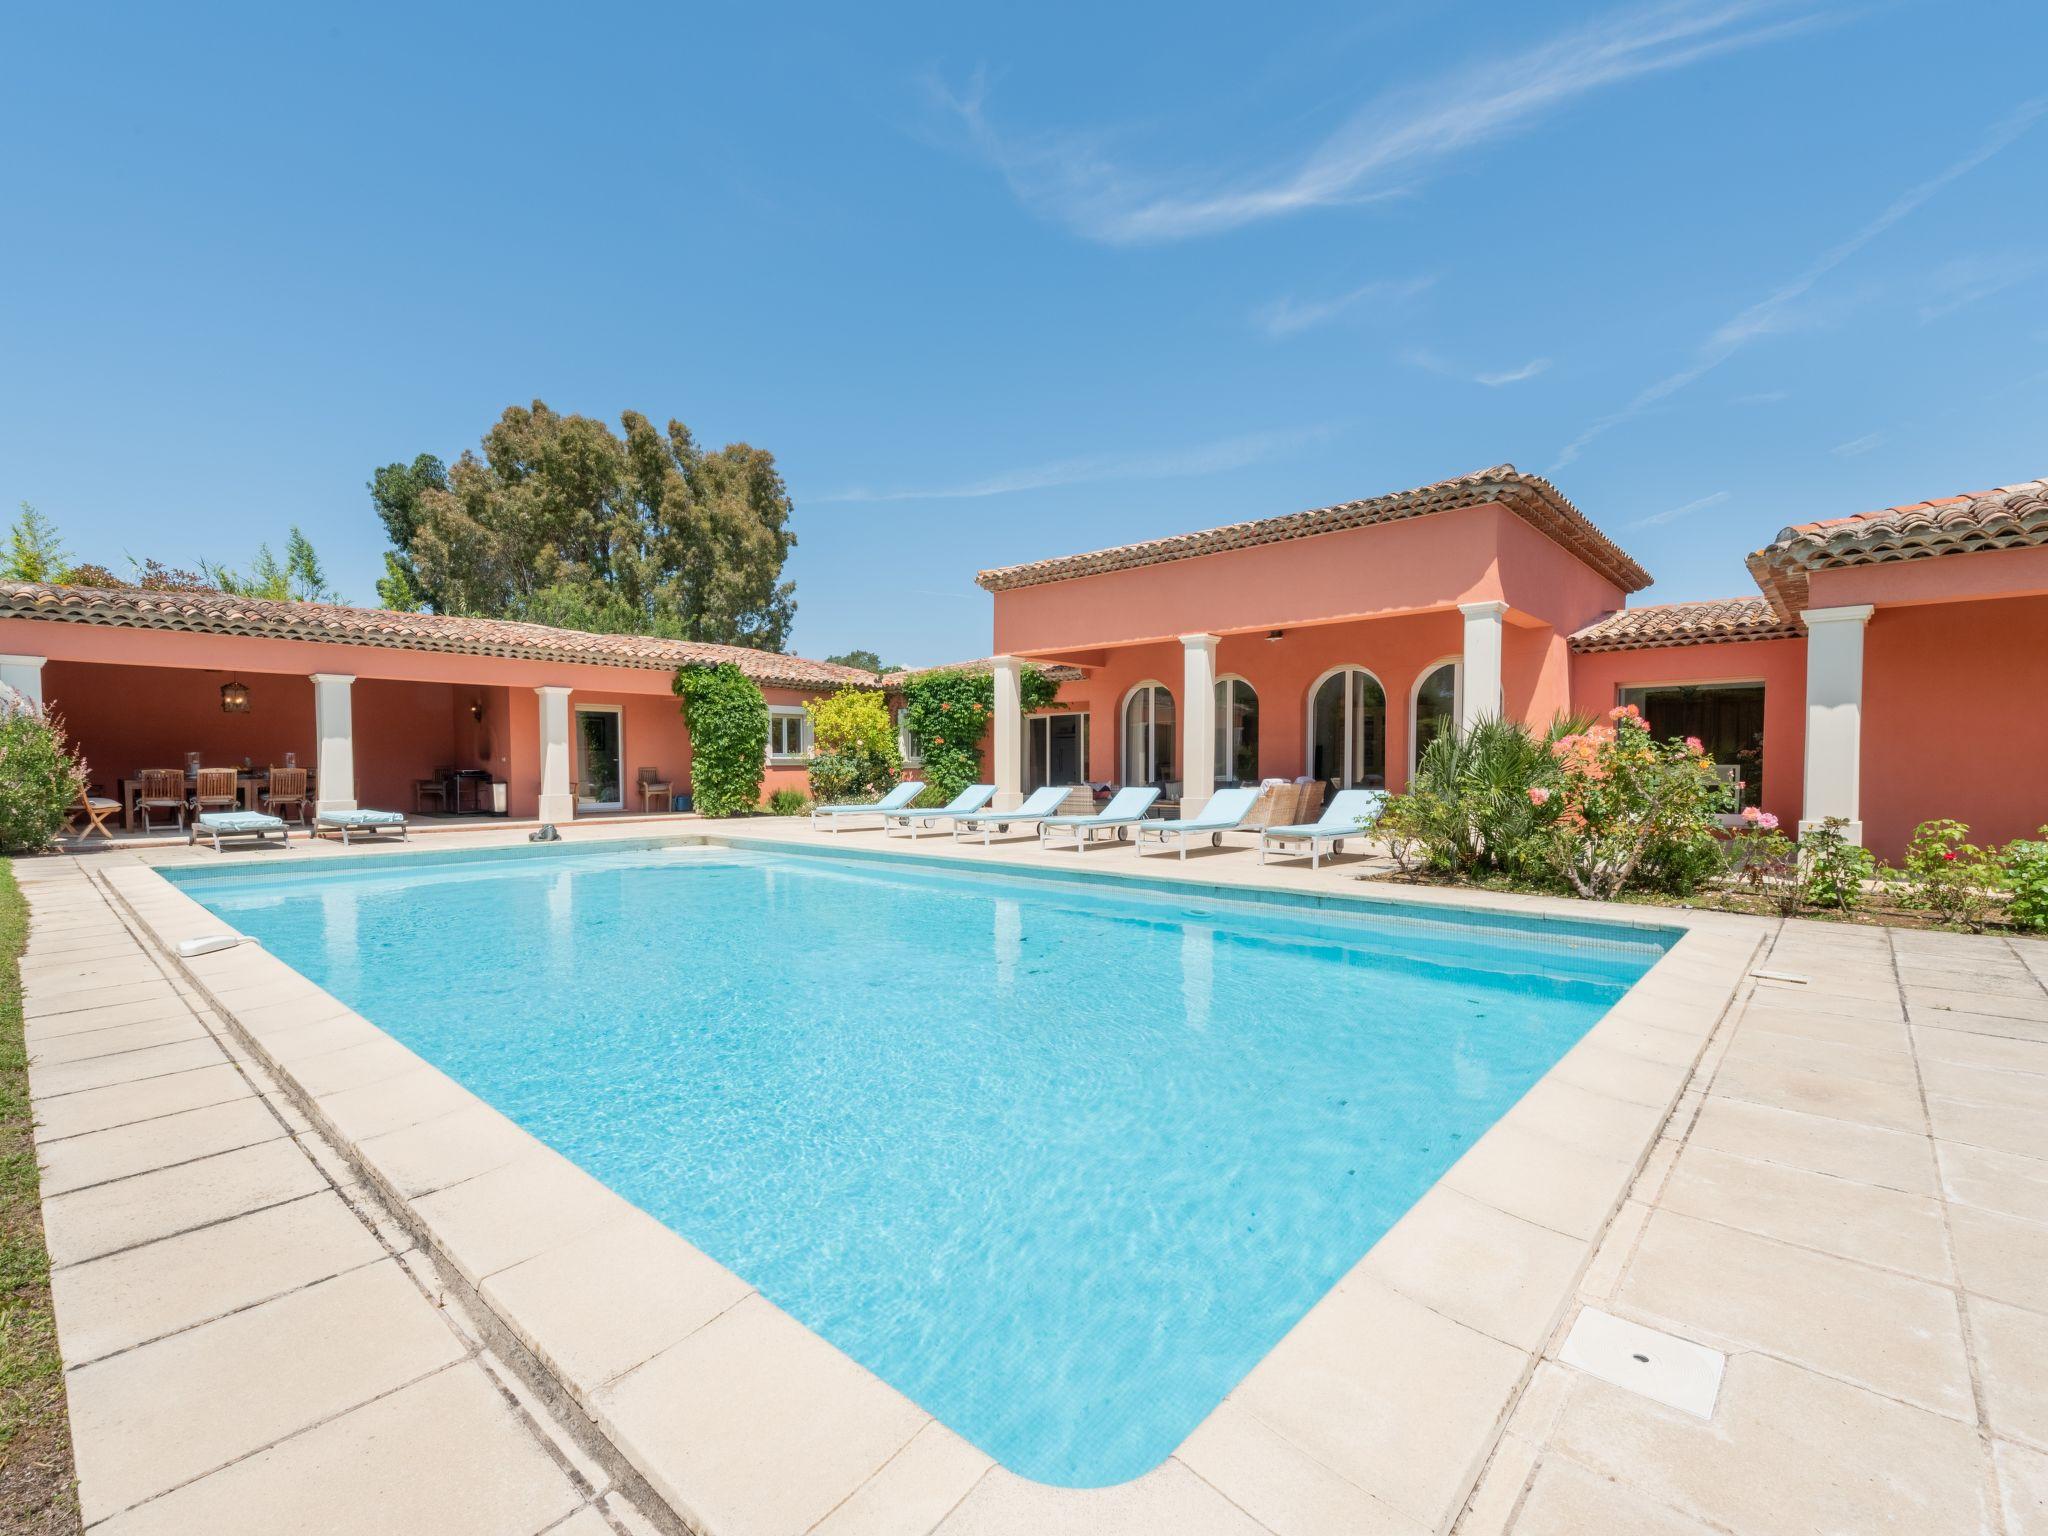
297, 578
34, 550
562, 520
867, 661
854, 752
395, 492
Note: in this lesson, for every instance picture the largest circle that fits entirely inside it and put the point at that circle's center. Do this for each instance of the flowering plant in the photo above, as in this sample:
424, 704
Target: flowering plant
1764, 859
1623, 798
1949, 875
2023, 867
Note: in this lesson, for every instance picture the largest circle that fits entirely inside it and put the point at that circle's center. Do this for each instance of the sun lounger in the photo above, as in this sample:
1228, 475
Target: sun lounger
966, 803
1041, 804
1225, 812
370, 824
1126, 808
1341, 818
897, 799
220, 824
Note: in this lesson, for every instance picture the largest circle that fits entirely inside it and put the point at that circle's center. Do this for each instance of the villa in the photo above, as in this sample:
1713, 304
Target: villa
1860, 682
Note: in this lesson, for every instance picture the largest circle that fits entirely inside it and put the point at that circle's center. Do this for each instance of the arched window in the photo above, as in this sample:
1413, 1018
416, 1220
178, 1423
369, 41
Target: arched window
1148, 735
1237, 732
1436, 707
1347, 730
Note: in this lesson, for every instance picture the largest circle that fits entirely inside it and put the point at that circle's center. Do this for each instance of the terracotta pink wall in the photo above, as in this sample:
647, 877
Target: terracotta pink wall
1955, 718
142, 698
1942, 579
1473, 555
1780, 665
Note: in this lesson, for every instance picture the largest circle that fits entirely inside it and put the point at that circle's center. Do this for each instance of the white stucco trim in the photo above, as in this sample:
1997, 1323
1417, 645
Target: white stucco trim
1480, 679
1008, 703
1834, 717
1197, 722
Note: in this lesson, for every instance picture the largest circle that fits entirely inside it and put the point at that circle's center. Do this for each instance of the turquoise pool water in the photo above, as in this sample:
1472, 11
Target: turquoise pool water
1060, 1162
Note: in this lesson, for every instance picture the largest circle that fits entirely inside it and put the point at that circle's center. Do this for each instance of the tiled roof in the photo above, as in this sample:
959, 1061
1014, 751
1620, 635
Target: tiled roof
1532, 498
1058, 673
218, 613
2011, 517
1661, 624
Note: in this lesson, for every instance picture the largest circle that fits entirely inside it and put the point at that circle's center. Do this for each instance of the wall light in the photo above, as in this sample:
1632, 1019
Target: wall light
1272, 635
234, 698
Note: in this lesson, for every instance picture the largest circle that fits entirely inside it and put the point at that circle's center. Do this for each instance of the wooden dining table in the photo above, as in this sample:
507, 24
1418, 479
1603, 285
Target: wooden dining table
248, 783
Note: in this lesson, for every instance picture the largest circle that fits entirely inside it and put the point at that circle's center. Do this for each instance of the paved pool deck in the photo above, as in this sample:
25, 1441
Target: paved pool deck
1839, 1183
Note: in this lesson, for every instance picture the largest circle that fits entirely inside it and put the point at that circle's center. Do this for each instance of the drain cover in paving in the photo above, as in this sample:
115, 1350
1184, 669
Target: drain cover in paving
1673, 1371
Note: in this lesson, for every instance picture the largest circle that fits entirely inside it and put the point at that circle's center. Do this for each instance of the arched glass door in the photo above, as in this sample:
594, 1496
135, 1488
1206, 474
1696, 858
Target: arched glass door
1237, 733
1347, 731
1436, 707
1148, 735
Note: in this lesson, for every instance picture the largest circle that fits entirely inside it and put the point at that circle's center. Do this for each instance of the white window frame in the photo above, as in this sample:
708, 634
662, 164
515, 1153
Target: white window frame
1415, 703
786, 712
1308, 722
583, 802
1123, 727
907, 745
1222, 715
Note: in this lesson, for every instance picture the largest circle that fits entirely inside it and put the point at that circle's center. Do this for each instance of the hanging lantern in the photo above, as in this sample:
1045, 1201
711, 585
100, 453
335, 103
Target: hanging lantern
234, 698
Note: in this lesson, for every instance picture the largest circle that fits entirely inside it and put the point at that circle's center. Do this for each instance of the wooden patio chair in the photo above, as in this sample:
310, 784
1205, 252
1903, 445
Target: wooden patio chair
214, 791
434, 789
1310, 805
651, 784
95, 809
160, 789
287, 787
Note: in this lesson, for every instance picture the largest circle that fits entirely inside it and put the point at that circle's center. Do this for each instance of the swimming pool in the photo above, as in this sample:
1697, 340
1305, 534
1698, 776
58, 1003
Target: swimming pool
1060, 1161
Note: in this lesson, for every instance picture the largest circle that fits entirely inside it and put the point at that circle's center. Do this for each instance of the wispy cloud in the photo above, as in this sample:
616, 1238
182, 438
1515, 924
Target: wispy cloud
1776, 311
1963, 281
1171, 464
1287, 316
1675, 513
1764, 397
1429, 362
1856, 447
1387, 147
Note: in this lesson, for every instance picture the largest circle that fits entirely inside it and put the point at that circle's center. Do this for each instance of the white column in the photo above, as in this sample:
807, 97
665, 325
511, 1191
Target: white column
1009, 733
1834, 717
334, 731
1482, 681
556, 801
1197, 722
24, 674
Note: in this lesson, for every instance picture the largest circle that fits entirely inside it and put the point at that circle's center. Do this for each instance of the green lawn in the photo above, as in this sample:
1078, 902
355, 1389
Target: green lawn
37, 1485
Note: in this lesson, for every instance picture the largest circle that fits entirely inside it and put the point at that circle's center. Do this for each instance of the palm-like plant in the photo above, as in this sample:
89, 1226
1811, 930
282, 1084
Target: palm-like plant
1470, 798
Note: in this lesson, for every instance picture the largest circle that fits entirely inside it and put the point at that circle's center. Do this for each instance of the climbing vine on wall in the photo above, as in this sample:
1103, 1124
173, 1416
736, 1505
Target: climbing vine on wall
728, 722
949, 713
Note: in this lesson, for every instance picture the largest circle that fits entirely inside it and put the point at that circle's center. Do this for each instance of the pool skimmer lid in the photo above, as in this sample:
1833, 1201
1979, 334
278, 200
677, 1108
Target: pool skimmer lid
1673, 1371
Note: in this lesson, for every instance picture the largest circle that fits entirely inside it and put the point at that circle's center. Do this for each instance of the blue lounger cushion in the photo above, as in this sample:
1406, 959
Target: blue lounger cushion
240, 821
361, 818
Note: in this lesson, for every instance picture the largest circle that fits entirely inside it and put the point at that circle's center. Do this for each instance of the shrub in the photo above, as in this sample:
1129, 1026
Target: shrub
1835, 868
1947, 874
2023, 867
949, 712
1764, 860
728, 723
1480, 800
788, 802
854, 753
39, 779
1623, 797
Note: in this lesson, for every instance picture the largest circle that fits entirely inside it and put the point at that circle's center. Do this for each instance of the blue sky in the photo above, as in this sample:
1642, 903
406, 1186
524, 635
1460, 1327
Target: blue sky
995, 287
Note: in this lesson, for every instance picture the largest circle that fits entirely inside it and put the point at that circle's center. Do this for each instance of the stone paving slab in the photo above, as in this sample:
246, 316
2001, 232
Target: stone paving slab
245, 1349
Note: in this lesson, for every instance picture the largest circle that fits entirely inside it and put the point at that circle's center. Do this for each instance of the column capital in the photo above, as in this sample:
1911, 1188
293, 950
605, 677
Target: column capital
1198, 642
22, 661
553, 690
332, 677
1006, 663
1492, 610
1855, 613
